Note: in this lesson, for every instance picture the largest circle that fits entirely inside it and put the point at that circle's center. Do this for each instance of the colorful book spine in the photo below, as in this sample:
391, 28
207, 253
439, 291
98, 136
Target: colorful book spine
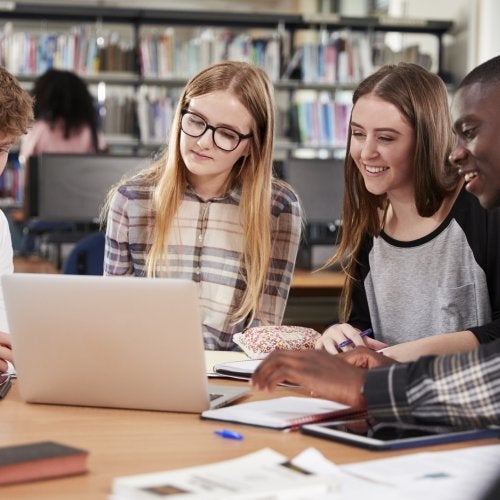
337, 57
25, 53
322, 117
11, 182
177, 53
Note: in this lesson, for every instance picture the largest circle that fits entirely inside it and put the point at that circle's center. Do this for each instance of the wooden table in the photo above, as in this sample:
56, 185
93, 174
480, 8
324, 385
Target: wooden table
319, 283
34, 264
122, 442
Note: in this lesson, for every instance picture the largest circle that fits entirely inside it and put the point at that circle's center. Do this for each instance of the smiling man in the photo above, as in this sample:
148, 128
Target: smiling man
476, 114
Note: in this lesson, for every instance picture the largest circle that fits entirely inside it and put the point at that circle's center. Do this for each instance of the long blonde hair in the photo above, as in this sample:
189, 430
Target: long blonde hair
252, 174
421, 98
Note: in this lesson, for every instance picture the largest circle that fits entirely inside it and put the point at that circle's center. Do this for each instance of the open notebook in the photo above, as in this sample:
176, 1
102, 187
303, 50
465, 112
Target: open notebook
290, 412
110, 341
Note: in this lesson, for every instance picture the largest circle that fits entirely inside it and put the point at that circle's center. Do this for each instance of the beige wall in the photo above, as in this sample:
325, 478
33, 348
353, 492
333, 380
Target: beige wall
460, 45
488, 40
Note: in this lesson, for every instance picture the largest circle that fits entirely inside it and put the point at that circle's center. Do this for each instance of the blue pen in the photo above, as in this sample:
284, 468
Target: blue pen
347, 342
226, 433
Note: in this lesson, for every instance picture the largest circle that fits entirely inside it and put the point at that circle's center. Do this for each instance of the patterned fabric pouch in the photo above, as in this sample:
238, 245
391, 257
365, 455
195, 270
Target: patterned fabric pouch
259, 341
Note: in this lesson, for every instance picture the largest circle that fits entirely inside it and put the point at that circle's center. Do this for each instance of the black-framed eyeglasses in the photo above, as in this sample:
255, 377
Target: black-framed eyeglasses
224, 138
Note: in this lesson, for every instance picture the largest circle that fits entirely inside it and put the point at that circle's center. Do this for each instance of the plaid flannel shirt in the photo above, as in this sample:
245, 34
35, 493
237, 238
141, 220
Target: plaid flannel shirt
205, 245
461, 390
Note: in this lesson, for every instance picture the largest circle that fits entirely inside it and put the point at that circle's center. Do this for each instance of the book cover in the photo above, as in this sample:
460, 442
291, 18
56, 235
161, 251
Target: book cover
279, 413
40, 460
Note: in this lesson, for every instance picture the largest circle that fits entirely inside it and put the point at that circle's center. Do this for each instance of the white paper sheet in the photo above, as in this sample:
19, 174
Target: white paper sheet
257, 476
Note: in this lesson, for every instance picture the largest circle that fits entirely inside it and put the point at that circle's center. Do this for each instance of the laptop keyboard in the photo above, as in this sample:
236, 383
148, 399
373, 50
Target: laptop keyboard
214, 396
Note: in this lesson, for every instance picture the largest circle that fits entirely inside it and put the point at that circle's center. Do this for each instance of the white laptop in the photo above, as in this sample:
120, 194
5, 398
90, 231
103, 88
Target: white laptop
120, 342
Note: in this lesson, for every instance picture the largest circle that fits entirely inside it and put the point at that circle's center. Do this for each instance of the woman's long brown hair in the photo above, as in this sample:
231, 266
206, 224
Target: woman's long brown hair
422, 100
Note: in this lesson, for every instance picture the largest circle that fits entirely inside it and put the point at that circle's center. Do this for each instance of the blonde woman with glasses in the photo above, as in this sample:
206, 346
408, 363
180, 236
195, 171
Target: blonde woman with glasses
210, 210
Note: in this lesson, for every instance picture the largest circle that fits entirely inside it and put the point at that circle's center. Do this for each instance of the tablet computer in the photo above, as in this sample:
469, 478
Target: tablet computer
393, 436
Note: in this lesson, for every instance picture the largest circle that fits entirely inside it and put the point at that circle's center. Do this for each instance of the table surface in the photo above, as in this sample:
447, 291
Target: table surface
304, 278
34, 264
123, 442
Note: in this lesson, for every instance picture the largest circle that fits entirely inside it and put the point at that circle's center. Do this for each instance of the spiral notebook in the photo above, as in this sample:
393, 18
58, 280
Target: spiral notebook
289, 412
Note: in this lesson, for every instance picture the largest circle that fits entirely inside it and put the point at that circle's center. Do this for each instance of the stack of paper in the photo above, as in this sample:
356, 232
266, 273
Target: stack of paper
462, 474
261, 475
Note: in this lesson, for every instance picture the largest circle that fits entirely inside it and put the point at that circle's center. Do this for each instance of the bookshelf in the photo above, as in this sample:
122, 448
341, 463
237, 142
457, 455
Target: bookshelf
137, 60
11, 184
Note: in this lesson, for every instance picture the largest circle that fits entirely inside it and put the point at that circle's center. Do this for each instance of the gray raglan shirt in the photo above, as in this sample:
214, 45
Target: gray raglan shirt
446, 281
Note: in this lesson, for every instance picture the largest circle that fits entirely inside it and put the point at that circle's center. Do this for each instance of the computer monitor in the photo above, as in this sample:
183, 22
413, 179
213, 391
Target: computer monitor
73, 187
320, 186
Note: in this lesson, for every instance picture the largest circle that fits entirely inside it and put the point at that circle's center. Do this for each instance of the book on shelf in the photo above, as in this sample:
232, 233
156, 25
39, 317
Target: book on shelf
155, 111
81, 49
183, 52
12, 182
320, 118
261, 475
118, 111
284, 413
40, 460
340, 56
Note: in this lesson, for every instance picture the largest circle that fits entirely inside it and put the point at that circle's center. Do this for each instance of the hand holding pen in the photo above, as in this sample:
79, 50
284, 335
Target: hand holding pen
347, 342
339, 336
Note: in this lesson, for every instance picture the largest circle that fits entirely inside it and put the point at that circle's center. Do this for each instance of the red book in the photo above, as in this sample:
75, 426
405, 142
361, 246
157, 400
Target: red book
43, 460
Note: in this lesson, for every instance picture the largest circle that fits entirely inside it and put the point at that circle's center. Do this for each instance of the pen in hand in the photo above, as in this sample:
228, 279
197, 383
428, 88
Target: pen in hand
347, 342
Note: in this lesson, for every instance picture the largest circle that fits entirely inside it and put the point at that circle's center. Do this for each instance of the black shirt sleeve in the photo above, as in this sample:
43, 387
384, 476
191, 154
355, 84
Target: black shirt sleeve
360, 312
482, 230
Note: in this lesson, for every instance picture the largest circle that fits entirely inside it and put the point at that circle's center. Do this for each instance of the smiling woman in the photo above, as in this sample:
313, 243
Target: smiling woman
382, 150
407, 221
210, 210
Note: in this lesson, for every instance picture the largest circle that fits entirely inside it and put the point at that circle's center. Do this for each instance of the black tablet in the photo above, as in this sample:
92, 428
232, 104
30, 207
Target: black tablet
363, 433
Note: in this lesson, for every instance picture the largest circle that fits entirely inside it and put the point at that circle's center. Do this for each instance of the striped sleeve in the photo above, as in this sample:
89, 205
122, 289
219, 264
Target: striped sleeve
461, 390
128, 230
117, 256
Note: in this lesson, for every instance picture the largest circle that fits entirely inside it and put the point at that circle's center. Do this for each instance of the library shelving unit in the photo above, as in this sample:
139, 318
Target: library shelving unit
315, 61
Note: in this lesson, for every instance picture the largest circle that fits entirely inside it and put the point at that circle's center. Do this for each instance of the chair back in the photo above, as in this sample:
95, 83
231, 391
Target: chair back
87, 256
